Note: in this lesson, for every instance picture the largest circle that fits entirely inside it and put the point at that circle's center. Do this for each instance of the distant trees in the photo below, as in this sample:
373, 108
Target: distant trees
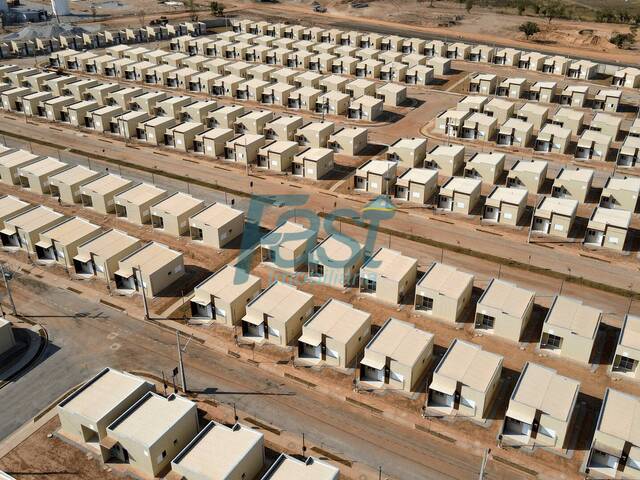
551, 9
529, 29
622, 40
217, 9
468, 5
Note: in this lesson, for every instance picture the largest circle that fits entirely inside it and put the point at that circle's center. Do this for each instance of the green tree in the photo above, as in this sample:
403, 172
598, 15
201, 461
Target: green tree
468, 5
217, 9
551, 9
529, 29
521, 6
622, 40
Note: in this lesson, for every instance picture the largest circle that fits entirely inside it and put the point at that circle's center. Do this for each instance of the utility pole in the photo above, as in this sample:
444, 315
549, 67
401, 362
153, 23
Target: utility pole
183, 378
485, 458
6, 284
144, 295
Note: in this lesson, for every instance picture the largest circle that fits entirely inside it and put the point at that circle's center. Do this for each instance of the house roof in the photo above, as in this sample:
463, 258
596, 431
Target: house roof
469, 364
571, 314
506, 297
631, 184
70, 231
9, 205
377, 167
228, 283
108, 244
630, 334
461, 184
577, 175
534, 166
400, 341
611, 217
336, 248
150, 258
17, 158
562, 206
515, 196
279, 300
288, 235
217, 215
141, 194
620, 416
290, 468
389, 264
418, 175
43, 167
446, 280
550, 130
492, 158
337, 320
34, 218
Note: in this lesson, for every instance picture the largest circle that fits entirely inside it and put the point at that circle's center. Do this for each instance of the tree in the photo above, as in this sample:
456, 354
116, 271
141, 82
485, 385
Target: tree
142, 17
529, 29
217, 9
551, 9
468, 5
622, 40
522, 7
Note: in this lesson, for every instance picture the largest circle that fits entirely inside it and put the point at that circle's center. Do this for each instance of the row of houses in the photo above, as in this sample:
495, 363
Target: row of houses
99, 39
250, 31
575, 96
122, 418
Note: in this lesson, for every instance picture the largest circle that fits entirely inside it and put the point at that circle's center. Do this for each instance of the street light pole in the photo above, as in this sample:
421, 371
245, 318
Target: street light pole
183, 378
6, 284
144, 294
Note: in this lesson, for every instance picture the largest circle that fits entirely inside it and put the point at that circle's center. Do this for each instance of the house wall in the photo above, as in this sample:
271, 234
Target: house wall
575, 347
164, 277
290, 328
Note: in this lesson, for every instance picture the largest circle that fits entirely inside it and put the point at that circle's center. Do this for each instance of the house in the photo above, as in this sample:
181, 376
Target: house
472, 103
394, 71
459, 195
608, 228
532, 61
243, 148
483, 83
465, 381
513, 88
541, 409
348, 140
360, 87
388, 275
333, 103
253, 122
11, 161
482, 53
261, 72
277, 314
345, 65
593, 145
150, 434
444, 293
282, 128
417, 185
554, 216
553, 138
575, 184
451, 121
313, 163
556, 65
57, 108
376, 176
392, 94
501, 109
628, 77
515, 132
334, 335
574, 95
287, 246
535, 114
606, 124
33, 104
11, 206
198, 111
219, 452
134, 204
570, 119
504, 310
154, 130
315, 134
447, 159
487, 167
607, 100
505, 206
408, 152
570, 328
225, 117
582, 69
130, 125
277, 155
322, 62
509, 57
333, 83
621, 193
172, 106
290, 468
7, 343
614, 448
544, 92
413, 60
59, 244
277, 94
22, 231
101, 254
35, 176
304, 98
336, 261
397, 356
217, 225
86, 413
528, 175
458, 51
435, 48
152, 268
365, 108
147, 101
182, 136
171, 214
627, 353
629, 152
479, 126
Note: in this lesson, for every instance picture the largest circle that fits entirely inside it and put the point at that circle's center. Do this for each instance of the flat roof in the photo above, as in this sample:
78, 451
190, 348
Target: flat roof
612, 217
317, 126
228, 283
282, 234
378, 167
469, 364
367, 101
9, 205
279, 300
337, 320
543, 389
151, 417
149, 258
70, 230
336, 248
73, 175
563, 206
631, 184
575, 88
630, 334
108, 244
217, 450
106, 184
506, 297
569, 113
290, 468
493, 158
551, 129
462, 185
102, 394
514, 196
500, 103
418, 175
516, 124
572, 314
620, 416
280, 146
34, 218
389, 264
141, 194
400, 341
534, 108
578, 174
17, 158
414, 142
534, 166
447, 150
446, 280
217, 215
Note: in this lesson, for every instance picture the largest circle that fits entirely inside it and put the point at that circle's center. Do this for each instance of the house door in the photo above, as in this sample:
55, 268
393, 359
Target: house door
541, 225
491, 213
594, 237
298, 169
445, 203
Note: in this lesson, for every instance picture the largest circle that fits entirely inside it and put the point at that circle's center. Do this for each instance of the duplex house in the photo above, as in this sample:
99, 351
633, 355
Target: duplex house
216, 225
417, 185
171, 215
59, 244
22, 231
408, 152
447, 159
376, 176
100, 255
528, 175
287, 246
553, 138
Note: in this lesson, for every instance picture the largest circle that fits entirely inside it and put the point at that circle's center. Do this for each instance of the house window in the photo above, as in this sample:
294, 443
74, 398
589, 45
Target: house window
426, 303
486, 321
554, 341
627, 364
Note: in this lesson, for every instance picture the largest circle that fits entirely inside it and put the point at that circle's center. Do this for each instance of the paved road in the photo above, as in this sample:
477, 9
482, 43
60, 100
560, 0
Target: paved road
86, 337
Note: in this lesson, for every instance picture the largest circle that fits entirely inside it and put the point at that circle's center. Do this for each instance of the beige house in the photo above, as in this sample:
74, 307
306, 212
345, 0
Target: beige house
217, 225
150, 434
212, 142
451, 121
22, 231
152, 268
534, 114
283, 128
225, 117
505, 206
360, 87
417, 185
105, 119
388, 275
528, 175
487, 167
171, 214
100, 193
349, 140
627, 354
582, 69
397, 356
544, 92
447, 159
345, 65
629, 153
541, 409
444, 293
368, 68
335, 335
86, 413
593, 145
277, 155
553, 138
608, 228
628, 77
243, 149
287, 246
333, 83
614, 448
570, 328
154, 130
460, 195
276, 315
515, 132
253, 122
570, 119
504, 310
336, 261
395, 71
483, 83
333, 103
376, 176
182, 136
419, 75
574, 95
134, 204
392, 94
532, 61
621, 193
513, 88
458, 51
11, 206
219, 452
223, 296
308, 79
482, 53
408, 152
472, 103
556, 65
575, 184
464, 382
59, 244
315, 134
479, 126
501, 109
554, 216
35, 176
607, 124
100, 255
313, 163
